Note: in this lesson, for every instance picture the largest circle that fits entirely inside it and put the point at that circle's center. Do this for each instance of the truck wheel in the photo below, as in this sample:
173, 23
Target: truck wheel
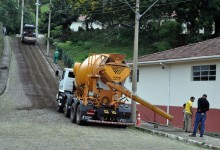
66, 110
72, 115
60, 109
122, 126
78, 116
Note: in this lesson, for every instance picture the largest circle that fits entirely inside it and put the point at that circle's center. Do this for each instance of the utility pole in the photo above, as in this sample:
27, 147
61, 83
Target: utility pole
135, 58
37, 12
22, 18
48, 34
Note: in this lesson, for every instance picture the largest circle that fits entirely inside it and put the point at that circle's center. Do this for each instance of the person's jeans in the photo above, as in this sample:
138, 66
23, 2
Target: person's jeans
200, 117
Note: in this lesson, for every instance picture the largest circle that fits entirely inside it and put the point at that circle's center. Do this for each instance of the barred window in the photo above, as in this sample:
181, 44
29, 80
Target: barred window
204, 73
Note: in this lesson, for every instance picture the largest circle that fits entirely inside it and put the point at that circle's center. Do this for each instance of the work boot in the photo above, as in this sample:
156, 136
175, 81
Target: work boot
192, 135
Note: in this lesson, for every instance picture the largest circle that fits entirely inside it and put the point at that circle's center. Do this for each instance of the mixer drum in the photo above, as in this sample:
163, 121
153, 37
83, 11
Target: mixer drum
110, 67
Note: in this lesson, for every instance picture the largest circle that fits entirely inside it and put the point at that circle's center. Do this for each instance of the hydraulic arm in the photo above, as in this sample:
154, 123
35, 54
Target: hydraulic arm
129, 94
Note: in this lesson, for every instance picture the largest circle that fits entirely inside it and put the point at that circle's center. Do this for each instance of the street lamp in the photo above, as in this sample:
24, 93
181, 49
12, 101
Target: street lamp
37, 12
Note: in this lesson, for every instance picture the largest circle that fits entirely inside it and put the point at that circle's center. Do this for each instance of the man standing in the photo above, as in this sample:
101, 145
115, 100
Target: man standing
203, 106
55, 56
188, 114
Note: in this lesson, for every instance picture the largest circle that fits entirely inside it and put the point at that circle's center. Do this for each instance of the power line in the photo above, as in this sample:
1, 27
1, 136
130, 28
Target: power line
108, 6
157, 5
96, 11
172, 3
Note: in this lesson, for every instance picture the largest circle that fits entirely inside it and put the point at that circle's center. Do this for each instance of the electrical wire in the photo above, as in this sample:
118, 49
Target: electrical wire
96, 11
100, 11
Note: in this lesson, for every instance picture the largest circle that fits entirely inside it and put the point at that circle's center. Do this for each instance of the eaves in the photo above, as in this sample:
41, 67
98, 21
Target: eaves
179, 60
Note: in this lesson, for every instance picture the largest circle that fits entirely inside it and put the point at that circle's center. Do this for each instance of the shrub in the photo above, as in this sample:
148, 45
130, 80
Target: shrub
80, 43
87, 45
161, 46
57, 32
67, 60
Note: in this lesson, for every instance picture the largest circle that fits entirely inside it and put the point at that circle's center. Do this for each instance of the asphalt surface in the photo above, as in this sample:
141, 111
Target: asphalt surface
165, 131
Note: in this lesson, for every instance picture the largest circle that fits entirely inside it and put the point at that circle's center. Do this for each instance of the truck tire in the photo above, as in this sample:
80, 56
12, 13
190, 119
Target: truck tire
66, 110
60, 109
79, 116
72, 114
122, 126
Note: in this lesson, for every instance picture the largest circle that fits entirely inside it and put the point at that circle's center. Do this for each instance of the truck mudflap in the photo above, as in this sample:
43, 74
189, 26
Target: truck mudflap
110, 122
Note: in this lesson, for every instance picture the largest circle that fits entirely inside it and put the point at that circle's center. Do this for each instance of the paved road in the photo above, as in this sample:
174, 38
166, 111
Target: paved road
28, 117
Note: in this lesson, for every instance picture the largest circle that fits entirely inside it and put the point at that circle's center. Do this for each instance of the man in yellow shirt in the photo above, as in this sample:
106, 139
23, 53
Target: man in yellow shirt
188, 114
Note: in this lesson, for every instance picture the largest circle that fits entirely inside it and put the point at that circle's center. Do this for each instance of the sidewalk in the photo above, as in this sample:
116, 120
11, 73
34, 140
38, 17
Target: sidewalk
43, 47
165, 131
206, 141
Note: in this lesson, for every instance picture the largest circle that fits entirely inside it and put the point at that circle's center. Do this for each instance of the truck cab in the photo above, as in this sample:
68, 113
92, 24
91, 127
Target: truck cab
28, 34
67, 80
66, 85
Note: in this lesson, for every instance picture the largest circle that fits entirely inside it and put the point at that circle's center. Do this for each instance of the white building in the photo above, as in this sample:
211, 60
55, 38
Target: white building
81, 23
169, 78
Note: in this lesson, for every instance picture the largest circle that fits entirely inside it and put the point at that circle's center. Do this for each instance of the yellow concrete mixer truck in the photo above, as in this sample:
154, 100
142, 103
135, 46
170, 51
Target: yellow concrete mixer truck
98, 94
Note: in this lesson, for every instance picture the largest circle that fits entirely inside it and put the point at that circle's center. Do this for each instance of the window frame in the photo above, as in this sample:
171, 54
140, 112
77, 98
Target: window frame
204, 72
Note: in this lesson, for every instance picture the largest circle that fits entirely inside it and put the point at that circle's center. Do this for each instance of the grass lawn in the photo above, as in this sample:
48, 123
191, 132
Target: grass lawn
79, 53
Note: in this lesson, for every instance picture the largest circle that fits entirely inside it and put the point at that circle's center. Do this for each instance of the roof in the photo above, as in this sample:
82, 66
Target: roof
81, 18
198, 50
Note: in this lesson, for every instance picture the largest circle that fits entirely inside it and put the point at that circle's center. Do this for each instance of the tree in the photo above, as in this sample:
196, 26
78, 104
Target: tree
107, 12
200, 14
9, 15
214, 7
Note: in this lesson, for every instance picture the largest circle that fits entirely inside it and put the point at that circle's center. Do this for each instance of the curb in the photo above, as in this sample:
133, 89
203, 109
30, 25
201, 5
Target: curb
178, 138
5, 65
49, 61
45, 56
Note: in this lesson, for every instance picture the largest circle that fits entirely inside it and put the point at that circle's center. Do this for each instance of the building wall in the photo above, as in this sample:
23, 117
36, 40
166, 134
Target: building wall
75, 26
172, 86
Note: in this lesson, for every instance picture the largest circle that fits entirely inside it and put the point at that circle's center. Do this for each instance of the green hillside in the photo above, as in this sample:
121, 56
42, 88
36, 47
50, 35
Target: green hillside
78, 45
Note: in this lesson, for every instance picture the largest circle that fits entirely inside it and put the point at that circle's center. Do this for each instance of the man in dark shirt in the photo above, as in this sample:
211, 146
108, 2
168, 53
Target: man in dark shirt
203, 106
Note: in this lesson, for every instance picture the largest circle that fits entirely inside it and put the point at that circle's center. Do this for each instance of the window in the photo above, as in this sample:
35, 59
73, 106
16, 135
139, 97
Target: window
204, 73
71, 75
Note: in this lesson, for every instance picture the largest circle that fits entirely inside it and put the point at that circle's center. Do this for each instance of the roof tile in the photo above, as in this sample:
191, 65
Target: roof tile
205, 48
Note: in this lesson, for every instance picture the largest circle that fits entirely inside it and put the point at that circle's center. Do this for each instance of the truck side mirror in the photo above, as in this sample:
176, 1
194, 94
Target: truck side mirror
57, 73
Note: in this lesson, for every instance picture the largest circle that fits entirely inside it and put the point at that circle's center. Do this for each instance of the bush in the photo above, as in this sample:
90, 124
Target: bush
80, 43
67, 60
83, 58
87, 45
161, 46
57, 32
